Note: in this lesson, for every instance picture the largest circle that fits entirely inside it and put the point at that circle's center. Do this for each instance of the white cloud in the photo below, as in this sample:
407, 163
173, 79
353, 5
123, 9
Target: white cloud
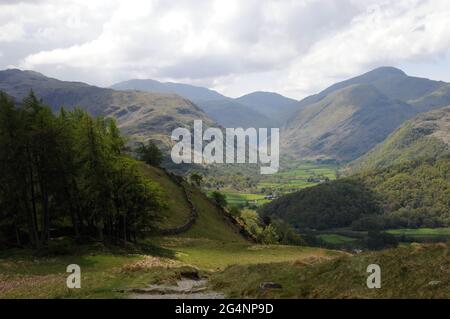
386, 34
295, 47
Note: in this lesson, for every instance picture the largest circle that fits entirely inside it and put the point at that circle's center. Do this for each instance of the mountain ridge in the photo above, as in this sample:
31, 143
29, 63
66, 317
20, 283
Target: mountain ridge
256, 109
140, 115
331, 134
425, 136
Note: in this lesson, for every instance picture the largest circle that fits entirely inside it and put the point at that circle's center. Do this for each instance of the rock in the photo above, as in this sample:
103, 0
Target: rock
434, 283
190, 274
270, 285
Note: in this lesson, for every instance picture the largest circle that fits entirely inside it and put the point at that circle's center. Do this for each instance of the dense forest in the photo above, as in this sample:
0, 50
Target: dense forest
412, 194
329, 205
68, 174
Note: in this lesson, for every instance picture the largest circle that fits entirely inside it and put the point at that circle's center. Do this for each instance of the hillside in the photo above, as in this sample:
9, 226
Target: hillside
426, 136
330, 205
390, 81
344, 125
191, 92
230, 113
272, 105
438, 98
411, 194
140, 115
211, 223
347, 119
415, 271
257, 109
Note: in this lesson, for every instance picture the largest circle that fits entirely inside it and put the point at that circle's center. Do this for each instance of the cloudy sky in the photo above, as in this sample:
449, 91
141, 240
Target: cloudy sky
295, 47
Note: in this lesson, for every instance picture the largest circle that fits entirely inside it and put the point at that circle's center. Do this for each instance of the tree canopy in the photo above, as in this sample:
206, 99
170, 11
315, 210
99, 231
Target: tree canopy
68, 171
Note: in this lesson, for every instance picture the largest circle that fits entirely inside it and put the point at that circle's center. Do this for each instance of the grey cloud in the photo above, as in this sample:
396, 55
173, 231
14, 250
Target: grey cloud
300, 41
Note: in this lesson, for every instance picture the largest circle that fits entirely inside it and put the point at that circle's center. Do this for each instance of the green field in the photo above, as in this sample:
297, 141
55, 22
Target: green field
213, 255
235, 199
336, 239
295, 179
284, 182
421, 232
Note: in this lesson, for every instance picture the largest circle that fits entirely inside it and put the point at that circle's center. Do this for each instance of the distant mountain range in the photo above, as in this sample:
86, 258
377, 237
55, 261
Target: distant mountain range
257, 109
349, 118
341, 123
140, 115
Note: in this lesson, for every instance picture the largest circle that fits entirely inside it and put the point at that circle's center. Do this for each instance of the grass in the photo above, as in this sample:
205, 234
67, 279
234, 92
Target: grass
420, 232
103, 273
297, 178
24, 276
211, 222
406, 272
237, 269
284, 182
215, 256
235, 199
214, 246
178, 209
336, 239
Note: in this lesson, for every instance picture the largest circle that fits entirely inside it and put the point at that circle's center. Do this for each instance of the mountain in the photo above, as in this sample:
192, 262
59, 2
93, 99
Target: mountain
140, 115
230, 113
258, 109
392, 82
349, 118
425, 136
193, 93
272, 105
345, 124
438, 98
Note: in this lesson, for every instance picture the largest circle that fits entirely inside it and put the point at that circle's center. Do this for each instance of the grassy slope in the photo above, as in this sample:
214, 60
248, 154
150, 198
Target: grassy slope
23, 275
426, 136
406, 272
178, 211
215, 256
210, 224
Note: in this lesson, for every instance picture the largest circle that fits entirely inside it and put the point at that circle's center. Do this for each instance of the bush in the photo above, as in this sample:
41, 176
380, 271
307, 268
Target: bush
219, 199
235, 212
150, 154
377, 240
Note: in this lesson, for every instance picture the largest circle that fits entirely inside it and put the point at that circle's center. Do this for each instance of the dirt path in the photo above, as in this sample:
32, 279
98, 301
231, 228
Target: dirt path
184, 289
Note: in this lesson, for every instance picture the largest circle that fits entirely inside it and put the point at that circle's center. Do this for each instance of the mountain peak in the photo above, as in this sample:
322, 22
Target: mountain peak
261, 93
19, 71
386, 71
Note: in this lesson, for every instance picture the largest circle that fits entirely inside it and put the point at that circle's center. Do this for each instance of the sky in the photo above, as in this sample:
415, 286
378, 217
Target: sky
293, 47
